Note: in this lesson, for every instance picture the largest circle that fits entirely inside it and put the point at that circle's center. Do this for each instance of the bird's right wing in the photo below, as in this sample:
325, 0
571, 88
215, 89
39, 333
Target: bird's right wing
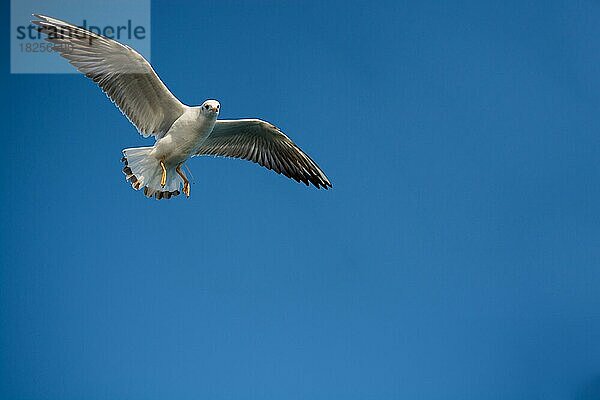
260, 142
120, 71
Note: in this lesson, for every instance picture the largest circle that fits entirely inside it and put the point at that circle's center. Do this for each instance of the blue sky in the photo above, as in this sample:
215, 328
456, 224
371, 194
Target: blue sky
457, 255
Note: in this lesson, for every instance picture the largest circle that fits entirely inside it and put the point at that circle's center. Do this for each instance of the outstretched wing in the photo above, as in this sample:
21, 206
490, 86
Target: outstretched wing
120, 71
260, 142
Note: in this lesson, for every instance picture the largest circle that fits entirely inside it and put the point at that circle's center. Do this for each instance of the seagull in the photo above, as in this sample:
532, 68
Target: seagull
180, 131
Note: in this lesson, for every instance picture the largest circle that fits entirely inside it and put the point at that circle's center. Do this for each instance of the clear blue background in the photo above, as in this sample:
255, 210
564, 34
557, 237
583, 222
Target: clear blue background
457, 255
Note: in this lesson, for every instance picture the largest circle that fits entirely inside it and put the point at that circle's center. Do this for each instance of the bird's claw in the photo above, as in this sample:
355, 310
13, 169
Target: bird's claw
186, 182
163, 178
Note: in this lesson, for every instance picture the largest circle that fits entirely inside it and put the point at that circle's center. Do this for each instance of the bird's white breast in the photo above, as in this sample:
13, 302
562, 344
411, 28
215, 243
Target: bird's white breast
185, 136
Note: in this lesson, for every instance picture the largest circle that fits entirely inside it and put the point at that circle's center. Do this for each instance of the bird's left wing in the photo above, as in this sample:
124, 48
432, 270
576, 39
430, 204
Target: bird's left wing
260, 142
120, 71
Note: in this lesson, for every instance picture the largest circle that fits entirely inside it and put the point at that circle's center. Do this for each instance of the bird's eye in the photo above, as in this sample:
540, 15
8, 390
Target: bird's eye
206, 106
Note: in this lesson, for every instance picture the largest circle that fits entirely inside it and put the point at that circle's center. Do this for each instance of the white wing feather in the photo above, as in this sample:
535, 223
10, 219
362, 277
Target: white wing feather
120, 71
260, 142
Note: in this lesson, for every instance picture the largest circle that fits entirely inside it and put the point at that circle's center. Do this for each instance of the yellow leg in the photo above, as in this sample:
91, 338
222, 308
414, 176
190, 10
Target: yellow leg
163, 178
186, 183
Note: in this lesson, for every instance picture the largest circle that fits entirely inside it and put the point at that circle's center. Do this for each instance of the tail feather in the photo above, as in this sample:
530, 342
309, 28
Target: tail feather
144, 171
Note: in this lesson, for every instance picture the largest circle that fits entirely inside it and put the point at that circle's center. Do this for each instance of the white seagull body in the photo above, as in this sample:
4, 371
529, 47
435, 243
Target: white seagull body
180, 131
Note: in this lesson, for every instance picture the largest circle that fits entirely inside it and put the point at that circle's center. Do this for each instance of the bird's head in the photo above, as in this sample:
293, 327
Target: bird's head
210, 107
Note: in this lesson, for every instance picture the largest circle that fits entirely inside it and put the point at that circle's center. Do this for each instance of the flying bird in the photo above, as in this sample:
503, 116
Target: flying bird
180, 131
